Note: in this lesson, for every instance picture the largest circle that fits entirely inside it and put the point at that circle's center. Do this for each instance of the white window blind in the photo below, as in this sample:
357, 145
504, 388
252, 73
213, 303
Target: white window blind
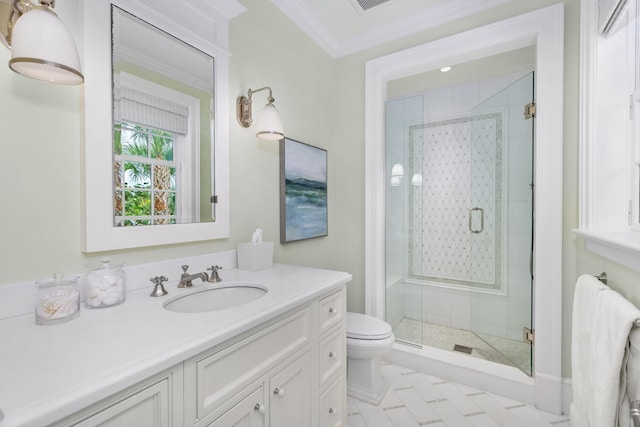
610, 12
147, 110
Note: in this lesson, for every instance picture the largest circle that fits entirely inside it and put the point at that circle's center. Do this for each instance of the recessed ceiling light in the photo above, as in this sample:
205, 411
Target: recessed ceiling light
445, 69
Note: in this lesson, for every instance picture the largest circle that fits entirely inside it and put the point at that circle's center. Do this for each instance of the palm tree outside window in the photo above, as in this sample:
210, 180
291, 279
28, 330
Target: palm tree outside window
145, 187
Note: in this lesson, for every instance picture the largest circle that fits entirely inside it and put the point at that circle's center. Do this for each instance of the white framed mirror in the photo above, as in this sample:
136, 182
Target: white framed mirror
156, 158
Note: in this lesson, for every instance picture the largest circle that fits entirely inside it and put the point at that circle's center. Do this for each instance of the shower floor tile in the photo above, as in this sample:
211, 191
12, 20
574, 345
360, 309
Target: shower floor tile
504, 351
448, 405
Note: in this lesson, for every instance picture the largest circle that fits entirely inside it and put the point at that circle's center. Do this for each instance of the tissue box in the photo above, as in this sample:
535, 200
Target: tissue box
255, 256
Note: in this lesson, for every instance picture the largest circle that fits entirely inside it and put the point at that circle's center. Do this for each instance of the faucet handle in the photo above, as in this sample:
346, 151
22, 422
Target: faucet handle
214, 273
159, 289
185, 268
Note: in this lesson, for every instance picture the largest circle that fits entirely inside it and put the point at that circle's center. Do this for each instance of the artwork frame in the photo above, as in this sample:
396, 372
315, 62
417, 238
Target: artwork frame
303, 191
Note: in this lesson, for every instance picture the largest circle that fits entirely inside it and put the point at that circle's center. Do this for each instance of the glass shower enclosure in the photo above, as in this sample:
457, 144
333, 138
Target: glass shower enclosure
459, 211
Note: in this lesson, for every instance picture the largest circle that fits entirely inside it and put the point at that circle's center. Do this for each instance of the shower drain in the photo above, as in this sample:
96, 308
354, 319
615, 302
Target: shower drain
462, 348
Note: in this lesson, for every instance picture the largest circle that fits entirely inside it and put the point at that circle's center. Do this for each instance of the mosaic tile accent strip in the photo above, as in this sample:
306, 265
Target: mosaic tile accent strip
461, 164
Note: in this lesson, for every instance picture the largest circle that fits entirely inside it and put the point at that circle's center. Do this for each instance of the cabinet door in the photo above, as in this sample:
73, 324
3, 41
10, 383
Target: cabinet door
333, 405
290, 395
249, 412
147, 408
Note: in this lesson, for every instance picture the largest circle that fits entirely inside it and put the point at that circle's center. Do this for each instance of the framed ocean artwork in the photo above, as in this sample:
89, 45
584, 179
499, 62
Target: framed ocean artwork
303, 191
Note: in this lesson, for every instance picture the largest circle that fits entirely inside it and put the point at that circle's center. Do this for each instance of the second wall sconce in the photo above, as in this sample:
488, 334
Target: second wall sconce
397, 173
41, 46
268, 125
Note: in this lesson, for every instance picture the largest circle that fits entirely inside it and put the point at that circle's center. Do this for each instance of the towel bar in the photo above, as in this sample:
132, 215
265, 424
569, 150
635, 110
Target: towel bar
603, 278
635, 405
635, 413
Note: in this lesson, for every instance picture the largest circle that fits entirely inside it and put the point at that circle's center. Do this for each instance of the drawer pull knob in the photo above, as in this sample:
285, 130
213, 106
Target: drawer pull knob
332, 310
332, 354
278, 392
259, 408
333, 411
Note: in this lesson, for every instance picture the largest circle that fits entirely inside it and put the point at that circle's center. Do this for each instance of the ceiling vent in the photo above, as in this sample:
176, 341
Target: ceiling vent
364, 5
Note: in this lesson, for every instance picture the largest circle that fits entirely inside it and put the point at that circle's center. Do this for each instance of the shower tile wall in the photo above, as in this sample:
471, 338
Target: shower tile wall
500, 315
461, 163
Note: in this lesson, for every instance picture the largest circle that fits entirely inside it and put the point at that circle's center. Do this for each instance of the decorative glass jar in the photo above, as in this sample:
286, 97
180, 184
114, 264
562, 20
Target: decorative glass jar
57, 299
104, 284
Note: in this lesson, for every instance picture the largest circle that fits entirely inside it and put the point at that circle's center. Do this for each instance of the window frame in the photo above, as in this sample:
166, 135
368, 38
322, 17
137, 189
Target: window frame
609, 183
186, 150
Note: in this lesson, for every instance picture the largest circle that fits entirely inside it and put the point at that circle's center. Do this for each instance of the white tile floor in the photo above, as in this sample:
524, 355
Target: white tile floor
418, 399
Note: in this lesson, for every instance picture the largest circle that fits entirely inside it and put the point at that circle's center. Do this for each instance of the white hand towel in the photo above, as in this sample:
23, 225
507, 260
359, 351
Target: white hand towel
632, 376
633, 366
584, 303
609, 352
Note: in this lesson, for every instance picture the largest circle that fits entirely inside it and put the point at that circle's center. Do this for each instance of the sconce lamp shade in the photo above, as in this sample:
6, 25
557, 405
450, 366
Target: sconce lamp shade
43, 49
416, 180
397, 170
269, 125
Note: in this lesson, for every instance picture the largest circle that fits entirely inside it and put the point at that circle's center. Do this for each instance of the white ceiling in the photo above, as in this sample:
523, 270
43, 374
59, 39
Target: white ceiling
342, 28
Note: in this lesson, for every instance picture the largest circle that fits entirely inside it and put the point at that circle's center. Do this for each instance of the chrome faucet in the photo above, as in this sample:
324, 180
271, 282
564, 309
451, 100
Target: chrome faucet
214, 276
186, 278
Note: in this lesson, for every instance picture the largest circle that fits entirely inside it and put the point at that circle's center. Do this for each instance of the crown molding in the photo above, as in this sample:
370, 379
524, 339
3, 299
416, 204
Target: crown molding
302, 16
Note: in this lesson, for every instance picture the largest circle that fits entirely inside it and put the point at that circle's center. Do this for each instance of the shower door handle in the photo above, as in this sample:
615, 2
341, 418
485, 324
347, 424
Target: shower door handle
481, 229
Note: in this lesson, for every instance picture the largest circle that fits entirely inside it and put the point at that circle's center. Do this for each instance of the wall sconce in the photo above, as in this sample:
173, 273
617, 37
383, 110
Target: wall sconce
41, 46
397, 173
268, 125
416, 180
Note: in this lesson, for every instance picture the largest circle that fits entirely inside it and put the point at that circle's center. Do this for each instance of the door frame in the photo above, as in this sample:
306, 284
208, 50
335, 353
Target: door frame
544, 29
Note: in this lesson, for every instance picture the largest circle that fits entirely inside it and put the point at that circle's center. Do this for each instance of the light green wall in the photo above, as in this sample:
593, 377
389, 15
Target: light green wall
321, 101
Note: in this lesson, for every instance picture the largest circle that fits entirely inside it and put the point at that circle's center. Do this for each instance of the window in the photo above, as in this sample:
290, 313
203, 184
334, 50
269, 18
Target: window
156, 154
610, 130
144, 176
634, 198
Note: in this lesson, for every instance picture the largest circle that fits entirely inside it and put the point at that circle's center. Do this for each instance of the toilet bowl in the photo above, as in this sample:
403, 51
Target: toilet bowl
368, 340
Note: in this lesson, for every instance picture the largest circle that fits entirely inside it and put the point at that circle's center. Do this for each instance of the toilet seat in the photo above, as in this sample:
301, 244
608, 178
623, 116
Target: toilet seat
363, 327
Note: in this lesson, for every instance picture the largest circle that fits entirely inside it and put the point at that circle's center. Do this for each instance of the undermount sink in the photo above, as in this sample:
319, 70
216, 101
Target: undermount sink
216, 298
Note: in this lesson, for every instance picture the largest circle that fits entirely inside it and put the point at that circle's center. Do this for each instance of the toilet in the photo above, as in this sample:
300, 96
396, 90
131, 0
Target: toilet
368, 340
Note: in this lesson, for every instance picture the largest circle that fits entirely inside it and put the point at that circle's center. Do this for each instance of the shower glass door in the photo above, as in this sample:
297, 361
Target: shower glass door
500, 223
403, 176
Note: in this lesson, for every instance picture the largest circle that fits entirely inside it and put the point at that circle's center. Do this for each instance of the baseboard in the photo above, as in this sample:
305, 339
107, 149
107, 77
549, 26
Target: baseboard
487, 376
567, 395
481, 374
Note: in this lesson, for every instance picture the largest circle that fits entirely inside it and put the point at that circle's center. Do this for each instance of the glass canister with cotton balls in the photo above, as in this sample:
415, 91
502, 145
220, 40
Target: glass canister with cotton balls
104, 285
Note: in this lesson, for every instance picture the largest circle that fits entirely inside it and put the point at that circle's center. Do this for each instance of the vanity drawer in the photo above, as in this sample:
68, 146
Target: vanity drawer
332, 310
333, 405
227, 371
332, 357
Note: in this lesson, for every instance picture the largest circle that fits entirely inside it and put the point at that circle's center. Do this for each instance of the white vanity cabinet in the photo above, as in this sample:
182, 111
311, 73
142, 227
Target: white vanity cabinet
155, 402
332, 360
288, 372
274, 358
283, 399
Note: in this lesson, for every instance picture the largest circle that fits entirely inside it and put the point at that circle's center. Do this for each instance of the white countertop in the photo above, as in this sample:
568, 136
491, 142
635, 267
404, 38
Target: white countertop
49, 372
